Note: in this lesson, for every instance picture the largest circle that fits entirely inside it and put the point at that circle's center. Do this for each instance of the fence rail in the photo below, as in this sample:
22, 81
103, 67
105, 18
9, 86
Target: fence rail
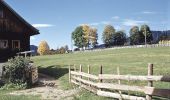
95, 84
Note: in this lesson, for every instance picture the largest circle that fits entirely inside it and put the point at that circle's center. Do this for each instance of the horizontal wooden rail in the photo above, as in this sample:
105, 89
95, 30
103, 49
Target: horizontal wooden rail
120, 87
117, 95
84, 81
85, 75
157, 92
136, 78
85, 86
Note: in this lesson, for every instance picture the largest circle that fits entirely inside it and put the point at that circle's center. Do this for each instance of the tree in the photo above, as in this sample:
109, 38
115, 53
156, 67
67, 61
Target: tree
145, 30
93, 36
43, 48
107, 35
66, 47
86, 34
119, 38
136, 37
77, 36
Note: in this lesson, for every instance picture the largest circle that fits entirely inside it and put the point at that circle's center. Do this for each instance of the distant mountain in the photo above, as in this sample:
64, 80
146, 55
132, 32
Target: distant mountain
34, 49
157, 34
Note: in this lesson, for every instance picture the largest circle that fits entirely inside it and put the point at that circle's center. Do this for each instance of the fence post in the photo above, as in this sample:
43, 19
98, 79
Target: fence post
69, 74
118, 73
101, 72
75, 67
88, 71
150, 83
80, 70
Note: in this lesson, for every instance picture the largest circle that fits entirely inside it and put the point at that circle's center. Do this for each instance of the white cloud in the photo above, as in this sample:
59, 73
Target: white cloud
94, 24
130, 22
42, 25
148, 12
116, 17
105, 22
100, 23
32, 38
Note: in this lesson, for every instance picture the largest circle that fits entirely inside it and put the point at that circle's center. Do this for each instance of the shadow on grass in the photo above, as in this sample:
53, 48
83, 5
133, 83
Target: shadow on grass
55, 71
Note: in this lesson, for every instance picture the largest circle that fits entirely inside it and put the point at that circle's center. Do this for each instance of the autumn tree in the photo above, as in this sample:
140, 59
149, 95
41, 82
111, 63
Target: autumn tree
145, 30
107, 35
77, 37
86, 34
136, 37
93, 36
43, 48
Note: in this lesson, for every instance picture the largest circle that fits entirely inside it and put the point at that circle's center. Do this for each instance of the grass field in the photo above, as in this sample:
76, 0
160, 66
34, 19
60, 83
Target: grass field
131, 61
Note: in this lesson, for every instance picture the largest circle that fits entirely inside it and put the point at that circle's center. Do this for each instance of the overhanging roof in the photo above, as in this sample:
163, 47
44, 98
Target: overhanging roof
34, 30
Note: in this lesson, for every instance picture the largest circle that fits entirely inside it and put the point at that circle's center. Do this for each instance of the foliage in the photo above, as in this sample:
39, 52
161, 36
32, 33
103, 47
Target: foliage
136, 37
164, 42
145, 30
86, 34
94, 37
107, 35
43, 48
119, 38
15, 71
77, 37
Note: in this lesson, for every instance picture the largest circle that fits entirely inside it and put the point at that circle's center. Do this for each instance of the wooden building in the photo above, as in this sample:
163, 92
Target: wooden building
15, 32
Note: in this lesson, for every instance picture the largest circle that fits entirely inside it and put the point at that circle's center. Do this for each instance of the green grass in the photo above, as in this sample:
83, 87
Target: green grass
4, 95
131, 61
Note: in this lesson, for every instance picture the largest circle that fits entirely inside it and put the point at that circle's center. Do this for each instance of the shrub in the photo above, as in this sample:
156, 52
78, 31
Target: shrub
15, 71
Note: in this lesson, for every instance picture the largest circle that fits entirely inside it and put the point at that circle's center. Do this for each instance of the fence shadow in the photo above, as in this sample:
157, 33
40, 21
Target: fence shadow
55, 71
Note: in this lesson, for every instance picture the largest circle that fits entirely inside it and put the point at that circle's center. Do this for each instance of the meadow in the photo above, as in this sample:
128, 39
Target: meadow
131, 61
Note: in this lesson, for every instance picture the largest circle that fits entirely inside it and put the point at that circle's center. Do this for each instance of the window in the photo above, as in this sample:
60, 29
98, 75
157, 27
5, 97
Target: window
1, 12
3, 44
15, 44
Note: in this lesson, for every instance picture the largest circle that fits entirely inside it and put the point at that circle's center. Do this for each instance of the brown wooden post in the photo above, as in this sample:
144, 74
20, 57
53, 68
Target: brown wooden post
118, 73
150, 83
88, 71
69, 74
80, 70
101, 72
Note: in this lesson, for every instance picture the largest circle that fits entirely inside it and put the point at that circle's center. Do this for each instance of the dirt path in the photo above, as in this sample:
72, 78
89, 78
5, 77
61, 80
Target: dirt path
49, 89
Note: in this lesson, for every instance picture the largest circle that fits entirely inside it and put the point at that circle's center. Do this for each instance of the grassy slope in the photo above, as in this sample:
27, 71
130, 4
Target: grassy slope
130, 61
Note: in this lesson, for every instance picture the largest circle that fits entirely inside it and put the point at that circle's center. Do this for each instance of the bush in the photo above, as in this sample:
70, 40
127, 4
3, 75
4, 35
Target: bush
15, 71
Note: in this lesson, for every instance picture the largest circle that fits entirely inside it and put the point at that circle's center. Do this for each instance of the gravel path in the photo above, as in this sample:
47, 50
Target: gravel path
49, 89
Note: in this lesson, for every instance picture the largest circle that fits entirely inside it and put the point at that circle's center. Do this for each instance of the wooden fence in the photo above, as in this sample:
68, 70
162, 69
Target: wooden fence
99, 85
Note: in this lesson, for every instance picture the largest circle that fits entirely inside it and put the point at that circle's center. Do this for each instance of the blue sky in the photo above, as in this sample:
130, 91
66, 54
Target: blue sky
57, 19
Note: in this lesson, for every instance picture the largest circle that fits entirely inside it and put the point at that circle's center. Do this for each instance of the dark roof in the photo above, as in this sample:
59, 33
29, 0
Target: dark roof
35, 31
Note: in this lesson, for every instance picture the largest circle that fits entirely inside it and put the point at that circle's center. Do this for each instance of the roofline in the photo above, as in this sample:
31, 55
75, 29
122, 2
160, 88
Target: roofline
21, 18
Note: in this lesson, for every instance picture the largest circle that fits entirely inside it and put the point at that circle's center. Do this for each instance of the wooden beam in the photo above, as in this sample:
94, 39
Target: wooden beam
150, 83
136, 78
85, 87
84, 81
116, 95
157, 92
85, 75
120, 87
